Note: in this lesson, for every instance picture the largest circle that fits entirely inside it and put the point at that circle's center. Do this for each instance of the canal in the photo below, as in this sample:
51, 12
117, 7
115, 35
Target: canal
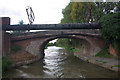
59, 63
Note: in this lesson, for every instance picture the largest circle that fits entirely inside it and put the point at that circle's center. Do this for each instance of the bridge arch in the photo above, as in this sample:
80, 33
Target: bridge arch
36, 45
87, 44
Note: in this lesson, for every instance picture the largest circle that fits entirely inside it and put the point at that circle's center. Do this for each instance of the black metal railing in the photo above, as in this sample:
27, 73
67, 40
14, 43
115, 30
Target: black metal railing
52, 26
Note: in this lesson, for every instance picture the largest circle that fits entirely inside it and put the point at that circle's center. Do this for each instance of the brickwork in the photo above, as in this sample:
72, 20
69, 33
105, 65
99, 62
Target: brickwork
36, 45
5, 40
112, 51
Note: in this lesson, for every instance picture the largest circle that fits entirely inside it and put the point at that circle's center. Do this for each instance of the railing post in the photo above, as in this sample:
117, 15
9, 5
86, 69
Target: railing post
5, 45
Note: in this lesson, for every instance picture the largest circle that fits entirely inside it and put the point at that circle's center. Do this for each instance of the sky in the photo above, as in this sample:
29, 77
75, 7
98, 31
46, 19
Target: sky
46, 11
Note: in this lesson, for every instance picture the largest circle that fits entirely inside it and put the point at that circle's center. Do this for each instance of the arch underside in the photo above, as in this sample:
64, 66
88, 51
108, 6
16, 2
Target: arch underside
88, 48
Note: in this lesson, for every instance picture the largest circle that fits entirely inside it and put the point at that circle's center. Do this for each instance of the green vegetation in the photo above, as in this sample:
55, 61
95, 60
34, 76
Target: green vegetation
16, 48
69, 48
50, 44
103, 53
6, 64
73, 49
77, 12
87, 60
115, 66
20, 31
68, 44
101, 61
110, 26
85, 12
111, 30
66, 13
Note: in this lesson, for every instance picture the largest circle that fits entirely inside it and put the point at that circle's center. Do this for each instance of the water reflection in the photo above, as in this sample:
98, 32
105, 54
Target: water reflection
60, 64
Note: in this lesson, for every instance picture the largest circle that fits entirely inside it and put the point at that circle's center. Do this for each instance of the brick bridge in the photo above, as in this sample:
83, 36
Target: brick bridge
35, 42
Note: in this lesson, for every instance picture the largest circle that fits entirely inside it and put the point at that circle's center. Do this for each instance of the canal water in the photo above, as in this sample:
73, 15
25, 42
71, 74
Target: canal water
60, 64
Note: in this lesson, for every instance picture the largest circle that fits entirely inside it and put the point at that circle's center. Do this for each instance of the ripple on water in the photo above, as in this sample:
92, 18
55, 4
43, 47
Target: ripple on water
25, 66
61, 64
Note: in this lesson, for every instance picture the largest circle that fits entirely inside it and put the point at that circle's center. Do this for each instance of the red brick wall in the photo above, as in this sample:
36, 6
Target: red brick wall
112, 51
23, 43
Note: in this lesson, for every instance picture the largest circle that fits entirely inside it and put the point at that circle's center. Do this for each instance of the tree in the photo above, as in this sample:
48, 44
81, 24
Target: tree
77, 12
21, 22
106, 13
86, 12
20, 31
110, 26
111, 30
66, 14
102, 8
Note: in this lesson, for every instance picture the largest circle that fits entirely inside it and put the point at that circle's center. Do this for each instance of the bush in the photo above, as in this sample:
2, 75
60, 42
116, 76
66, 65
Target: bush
115, 66
110, 26
50, 44
73, 49
16, 48
6, 64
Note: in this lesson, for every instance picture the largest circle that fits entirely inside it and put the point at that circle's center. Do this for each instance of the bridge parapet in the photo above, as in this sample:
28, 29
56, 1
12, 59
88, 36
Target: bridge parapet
46, 34
56, 32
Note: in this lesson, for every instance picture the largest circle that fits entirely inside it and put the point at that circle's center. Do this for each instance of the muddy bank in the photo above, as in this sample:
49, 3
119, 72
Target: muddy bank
22, 58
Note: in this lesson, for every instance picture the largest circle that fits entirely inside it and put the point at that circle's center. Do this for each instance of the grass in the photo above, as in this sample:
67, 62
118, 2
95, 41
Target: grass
73, 49
87, 60
115, 66
68, 48
16, 48
103, 53
101, 61
6, 64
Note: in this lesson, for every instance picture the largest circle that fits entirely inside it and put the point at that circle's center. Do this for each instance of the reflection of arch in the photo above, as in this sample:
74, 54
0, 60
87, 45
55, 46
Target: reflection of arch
87, 44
